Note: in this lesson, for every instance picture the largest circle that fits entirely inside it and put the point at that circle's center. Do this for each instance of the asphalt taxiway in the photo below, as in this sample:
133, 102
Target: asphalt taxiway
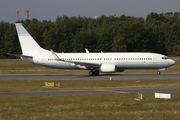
89, 92
87, 77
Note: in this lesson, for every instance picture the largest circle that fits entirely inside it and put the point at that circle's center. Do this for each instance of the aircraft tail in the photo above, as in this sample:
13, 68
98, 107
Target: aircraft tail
28, 45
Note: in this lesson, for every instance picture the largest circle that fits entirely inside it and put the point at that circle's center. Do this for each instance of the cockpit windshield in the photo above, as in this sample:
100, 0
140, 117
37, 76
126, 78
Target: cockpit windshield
165, 57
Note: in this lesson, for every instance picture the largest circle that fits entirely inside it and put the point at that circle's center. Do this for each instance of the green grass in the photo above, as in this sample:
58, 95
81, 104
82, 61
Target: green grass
36, 85
120, 106
17, 66
86, 107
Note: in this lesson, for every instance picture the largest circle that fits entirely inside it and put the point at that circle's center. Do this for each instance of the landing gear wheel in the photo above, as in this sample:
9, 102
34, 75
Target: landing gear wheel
96, 72
158, 72
91, 73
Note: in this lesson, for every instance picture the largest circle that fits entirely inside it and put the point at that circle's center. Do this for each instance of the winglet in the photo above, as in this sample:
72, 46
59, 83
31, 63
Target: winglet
87, 51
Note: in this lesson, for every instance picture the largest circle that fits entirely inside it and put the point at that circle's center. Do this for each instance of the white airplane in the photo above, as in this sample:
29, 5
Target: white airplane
95, 62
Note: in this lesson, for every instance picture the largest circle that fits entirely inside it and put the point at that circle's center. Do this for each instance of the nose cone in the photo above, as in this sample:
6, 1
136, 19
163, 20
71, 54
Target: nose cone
172, 62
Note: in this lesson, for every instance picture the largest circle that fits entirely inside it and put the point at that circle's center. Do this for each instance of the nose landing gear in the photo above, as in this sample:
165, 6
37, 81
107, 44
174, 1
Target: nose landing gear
158, 72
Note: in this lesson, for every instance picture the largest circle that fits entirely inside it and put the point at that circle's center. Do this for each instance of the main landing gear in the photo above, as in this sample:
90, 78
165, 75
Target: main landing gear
94, 72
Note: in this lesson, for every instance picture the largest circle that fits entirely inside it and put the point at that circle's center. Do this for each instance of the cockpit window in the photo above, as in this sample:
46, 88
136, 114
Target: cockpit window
165, 57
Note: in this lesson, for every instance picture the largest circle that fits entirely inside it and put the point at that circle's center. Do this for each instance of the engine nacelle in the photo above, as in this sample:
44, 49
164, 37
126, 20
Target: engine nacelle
108, 68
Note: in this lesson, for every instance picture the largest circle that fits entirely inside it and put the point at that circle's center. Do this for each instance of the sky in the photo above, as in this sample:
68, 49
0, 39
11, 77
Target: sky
50, 9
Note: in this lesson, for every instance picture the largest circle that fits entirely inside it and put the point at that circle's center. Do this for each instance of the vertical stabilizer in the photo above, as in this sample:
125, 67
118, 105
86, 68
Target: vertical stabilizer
28, 45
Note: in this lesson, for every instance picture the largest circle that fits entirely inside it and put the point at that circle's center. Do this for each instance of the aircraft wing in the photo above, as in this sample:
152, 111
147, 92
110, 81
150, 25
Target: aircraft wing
84, 65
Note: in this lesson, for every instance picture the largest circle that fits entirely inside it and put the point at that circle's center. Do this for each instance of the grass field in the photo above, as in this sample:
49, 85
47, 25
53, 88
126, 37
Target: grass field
90, 107
117, 106
37, 85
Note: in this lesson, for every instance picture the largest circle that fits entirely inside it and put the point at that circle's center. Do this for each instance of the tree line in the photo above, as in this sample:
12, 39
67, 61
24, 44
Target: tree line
158, 33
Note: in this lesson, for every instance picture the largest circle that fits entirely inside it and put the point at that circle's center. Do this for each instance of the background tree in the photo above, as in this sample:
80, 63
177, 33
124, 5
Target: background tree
159, 33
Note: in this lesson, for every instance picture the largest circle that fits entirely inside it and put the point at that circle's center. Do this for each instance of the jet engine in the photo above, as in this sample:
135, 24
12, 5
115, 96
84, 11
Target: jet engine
108, 68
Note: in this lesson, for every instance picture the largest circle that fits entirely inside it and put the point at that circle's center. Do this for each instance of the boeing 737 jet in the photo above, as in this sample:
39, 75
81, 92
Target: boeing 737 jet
95, 62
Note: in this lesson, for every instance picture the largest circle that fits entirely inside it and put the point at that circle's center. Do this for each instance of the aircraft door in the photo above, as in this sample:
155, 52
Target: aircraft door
42, 60
155, 59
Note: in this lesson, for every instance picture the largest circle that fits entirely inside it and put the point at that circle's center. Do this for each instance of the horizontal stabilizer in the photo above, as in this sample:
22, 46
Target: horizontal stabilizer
17, 55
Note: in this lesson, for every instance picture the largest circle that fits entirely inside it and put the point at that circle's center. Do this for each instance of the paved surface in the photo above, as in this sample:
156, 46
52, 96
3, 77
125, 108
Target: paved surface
88, 92
87, 77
